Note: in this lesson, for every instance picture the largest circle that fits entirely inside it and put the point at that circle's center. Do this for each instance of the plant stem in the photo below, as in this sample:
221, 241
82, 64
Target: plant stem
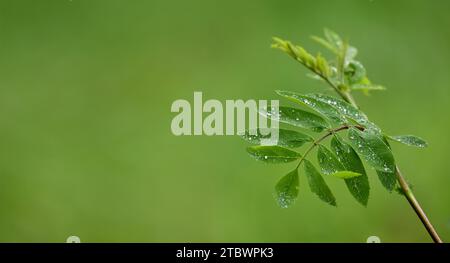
415, 204
405, 188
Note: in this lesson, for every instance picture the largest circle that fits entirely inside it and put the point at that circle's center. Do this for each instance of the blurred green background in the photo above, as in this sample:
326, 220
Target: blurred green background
85, 143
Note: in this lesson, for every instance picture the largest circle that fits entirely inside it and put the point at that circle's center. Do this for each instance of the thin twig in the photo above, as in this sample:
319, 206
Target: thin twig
415, 204
407, 191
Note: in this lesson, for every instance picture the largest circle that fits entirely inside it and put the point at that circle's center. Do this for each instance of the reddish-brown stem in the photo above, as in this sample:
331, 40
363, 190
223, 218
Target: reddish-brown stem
416, 206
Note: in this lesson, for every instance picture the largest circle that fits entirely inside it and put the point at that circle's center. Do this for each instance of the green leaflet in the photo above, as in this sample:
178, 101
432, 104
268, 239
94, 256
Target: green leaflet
328, 162
331, 165
273, 154
286, 189
321, 107
345, 109
297, 117
286, 138
370, 146
358, 186
317, 184
387, 179
345, 174
410, 140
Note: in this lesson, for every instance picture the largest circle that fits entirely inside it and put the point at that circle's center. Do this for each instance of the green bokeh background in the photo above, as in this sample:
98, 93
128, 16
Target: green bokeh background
85, 143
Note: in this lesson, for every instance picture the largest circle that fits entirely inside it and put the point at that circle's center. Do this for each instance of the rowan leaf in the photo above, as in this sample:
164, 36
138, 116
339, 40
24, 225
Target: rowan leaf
387, 179
273, 154
286, 189
317, 184
319, 106
372, 148
328, 162
345, 109
358, 186
410, 140
296, 117
286, 138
